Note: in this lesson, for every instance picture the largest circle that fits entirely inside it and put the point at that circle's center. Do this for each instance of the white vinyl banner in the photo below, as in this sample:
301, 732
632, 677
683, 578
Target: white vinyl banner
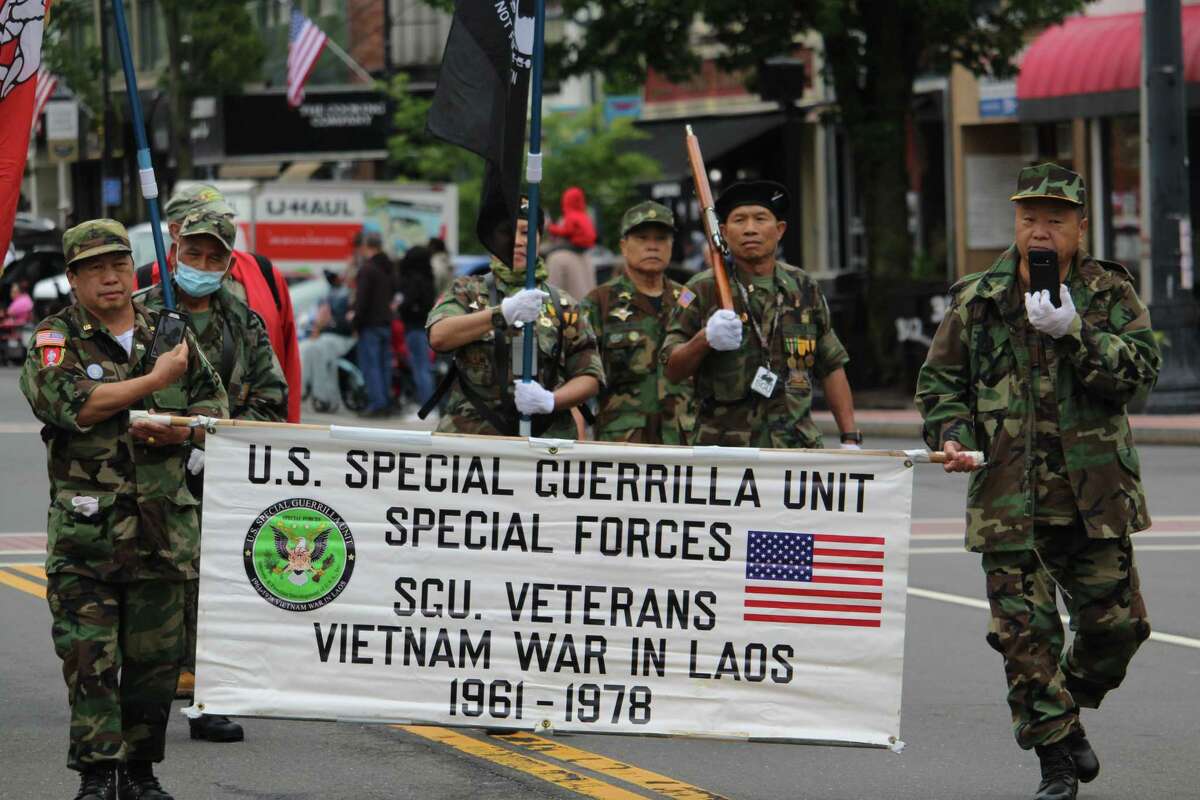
387, 576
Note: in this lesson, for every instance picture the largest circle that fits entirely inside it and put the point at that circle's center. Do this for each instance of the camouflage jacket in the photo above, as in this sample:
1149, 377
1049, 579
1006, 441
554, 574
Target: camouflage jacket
977, 388
255, 384
638, 404
803, 347
146, 525
566, 350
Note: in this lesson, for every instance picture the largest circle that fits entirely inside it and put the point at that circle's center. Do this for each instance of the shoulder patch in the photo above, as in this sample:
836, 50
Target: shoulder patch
686, 296
50, 339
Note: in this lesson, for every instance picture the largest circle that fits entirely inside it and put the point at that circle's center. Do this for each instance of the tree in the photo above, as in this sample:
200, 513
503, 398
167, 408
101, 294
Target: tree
873, 51
213, 49
76, 64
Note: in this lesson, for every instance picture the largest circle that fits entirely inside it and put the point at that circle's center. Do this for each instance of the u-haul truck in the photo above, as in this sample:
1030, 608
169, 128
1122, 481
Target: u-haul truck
307, 227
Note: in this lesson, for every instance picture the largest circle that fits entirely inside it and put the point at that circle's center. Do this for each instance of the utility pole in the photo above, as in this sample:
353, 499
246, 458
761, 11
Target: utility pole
387, 40
1168, 286
784, 79
106, 158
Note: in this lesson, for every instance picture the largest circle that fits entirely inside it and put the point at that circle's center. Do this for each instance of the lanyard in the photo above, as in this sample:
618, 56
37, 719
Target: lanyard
764, 339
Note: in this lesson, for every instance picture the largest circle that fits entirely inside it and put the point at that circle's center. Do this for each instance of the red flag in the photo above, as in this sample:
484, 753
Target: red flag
21, 26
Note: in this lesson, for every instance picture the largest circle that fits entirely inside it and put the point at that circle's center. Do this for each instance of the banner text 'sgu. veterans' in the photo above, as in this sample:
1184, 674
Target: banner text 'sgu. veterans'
388, 577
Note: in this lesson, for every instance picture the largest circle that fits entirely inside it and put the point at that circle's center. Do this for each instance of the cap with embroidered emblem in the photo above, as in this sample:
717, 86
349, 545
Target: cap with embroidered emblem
93, 238
647, 212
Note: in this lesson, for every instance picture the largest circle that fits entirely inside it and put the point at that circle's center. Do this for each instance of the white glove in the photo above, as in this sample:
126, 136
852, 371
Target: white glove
1045, 318
195, 463
85, 506
851, 446
532, 398
724, 330
524, 306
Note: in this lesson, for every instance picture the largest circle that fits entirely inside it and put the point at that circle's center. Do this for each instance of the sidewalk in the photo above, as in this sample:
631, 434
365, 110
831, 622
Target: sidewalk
1177, 429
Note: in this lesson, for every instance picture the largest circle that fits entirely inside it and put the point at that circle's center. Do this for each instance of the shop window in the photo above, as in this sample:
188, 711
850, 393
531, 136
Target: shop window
1123, 156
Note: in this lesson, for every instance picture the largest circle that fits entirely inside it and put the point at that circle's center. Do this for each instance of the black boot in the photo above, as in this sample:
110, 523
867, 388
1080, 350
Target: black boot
1059, 781
97, 783
1087, 765
215, 728
136, 781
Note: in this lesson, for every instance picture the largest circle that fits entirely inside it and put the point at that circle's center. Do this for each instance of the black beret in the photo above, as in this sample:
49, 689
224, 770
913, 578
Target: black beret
768, 194
523, 212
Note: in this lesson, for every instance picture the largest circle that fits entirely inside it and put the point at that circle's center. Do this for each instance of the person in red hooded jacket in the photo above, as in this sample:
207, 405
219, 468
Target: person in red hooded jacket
568, 265
576, 226
248, 280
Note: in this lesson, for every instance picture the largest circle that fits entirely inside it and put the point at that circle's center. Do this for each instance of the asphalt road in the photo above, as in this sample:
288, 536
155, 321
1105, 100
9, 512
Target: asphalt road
955, 722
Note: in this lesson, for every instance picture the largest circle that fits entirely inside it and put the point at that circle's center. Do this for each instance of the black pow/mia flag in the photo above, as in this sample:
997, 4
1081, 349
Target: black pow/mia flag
480, 104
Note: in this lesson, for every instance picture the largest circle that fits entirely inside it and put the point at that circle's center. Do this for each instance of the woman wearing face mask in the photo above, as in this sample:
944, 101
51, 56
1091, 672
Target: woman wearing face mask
234, 340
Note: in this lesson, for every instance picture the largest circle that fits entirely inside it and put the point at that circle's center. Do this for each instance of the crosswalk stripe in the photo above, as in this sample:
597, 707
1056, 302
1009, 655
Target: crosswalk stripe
35, 589
562, 778
971, 602
604, 765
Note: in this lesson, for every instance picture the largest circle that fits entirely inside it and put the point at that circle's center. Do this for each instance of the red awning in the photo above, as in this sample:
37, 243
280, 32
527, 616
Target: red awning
1094, 56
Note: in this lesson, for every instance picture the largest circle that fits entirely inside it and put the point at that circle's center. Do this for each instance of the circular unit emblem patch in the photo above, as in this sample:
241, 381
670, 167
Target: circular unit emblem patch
299, 554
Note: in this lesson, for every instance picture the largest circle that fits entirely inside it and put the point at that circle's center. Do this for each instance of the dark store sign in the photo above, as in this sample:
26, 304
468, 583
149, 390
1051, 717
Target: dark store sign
327, 123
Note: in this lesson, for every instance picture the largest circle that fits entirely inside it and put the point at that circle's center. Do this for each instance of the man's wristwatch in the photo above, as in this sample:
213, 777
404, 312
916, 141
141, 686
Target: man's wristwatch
852, 437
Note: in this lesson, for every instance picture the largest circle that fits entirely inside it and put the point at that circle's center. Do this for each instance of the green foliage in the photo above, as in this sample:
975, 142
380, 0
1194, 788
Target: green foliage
219, 51
580, 150
69, 52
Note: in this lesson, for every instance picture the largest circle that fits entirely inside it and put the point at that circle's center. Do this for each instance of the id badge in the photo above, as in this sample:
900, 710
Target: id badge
764, 382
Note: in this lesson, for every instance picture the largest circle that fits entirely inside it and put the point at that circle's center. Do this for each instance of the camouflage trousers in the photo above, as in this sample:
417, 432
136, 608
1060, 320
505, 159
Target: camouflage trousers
1047, 683
191, 605
120, 645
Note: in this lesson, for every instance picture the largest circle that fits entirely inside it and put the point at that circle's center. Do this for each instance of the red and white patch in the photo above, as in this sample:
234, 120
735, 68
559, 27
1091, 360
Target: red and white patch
51, 356
685, 298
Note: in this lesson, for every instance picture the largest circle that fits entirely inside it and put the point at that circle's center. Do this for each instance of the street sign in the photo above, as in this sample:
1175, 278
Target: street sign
62, 130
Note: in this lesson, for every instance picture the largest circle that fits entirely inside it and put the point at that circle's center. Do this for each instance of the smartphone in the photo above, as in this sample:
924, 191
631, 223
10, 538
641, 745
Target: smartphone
1043, 273
168, 333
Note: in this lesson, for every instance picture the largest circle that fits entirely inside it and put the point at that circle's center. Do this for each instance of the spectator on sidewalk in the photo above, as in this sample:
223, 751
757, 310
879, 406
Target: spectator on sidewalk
443, 266
331, 338
372, 321
415, 287
567, 262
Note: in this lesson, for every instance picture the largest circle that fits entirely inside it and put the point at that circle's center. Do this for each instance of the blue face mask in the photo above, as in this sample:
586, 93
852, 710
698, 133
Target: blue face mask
197, 282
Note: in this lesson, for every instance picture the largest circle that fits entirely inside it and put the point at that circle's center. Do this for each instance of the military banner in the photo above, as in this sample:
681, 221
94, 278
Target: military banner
388, 576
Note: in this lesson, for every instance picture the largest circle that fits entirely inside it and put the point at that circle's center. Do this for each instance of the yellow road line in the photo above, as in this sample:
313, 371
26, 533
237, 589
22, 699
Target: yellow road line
563, 778
35, 589
604, 765
35, 570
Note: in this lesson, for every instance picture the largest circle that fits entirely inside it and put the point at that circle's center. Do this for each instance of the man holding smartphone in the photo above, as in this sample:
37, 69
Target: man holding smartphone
122, 529
1040, 387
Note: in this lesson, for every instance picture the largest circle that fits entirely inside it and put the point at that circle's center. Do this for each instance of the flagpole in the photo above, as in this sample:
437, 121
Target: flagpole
533, 174
145, 165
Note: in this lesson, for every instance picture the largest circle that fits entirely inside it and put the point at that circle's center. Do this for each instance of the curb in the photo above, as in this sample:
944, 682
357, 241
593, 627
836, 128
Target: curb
903, 429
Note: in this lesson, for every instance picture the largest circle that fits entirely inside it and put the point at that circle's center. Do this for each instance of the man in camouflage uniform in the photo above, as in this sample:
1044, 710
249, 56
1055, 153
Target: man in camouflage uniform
629, 315
123, 530
235, 342
477, 320
1041, 391
755, 365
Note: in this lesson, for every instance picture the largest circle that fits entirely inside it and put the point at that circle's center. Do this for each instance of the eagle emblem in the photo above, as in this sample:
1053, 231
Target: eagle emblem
303, 562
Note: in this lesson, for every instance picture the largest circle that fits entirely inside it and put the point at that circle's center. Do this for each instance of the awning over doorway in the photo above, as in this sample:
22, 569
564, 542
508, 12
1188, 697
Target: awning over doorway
1092, 66
718, 135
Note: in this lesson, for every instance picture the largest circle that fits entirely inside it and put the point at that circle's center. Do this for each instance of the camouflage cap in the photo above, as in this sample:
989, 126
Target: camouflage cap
95, 237
1051, 182
193, 198
647, 211
211, 222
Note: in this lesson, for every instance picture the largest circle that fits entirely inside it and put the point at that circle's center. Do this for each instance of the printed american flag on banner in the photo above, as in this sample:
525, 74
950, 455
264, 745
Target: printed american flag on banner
814, 579
46, 84
305, 43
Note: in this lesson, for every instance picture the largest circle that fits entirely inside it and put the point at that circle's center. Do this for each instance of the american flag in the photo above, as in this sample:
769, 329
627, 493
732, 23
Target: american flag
46, 84
305, 43
814, 579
